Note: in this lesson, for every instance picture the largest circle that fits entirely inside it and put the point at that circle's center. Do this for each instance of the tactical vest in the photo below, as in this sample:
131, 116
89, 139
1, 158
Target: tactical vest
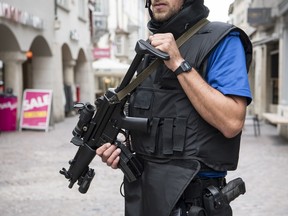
177, 130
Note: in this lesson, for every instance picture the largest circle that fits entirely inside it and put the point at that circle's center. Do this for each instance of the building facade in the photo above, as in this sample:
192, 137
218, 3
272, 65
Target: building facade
119, 24
47, 45
266, 22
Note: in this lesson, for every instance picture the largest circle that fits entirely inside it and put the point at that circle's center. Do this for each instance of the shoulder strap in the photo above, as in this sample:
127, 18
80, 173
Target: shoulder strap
145, 73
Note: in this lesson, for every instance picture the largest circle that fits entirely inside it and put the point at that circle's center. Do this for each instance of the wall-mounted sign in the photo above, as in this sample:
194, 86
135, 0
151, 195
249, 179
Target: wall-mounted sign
259, 16
74, 35
36, 107
14, 14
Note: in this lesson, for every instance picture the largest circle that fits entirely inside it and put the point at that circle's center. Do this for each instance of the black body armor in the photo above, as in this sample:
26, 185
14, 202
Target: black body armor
180, 141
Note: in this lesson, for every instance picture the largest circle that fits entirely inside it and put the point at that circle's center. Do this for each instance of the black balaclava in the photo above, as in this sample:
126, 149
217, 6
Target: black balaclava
192, 11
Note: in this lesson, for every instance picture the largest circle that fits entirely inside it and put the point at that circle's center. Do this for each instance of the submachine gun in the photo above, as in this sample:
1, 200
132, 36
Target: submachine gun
102, 123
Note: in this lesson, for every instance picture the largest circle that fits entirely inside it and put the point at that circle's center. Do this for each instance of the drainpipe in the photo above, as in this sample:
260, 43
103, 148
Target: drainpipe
57, 23
55, 10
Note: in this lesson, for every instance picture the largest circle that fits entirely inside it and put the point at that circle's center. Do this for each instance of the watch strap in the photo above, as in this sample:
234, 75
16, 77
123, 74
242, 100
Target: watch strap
184, 67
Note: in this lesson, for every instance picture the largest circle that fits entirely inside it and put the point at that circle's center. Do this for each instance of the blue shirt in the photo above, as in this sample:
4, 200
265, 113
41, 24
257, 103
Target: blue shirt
226, 68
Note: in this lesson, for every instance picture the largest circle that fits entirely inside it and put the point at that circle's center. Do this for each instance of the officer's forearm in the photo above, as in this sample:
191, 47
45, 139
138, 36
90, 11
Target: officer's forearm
226, 113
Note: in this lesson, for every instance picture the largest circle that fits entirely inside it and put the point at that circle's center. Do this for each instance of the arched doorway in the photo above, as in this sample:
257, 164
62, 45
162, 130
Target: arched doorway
11, 62
68, 64
37, 71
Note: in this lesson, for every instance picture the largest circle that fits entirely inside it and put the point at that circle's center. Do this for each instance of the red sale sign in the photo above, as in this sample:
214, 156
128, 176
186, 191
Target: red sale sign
36, 109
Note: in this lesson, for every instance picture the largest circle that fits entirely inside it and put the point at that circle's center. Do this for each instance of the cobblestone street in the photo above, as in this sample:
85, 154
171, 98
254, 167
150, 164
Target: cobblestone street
30, 183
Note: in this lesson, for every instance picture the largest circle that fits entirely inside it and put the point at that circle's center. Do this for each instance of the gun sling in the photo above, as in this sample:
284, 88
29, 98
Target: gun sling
143, 75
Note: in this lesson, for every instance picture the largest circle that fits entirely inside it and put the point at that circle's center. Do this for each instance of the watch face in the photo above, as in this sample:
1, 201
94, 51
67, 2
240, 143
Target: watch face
186, 66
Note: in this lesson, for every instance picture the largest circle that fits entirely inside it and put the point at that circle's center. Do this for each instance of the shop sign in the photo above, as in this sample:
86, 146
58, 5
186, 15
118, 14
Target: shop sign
36, 107
11, 13
99, 53
259, 16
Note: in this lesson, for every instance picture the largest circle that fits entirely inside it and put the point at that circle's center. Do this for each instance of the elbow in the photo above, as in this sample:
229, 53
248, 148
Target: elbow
232, 129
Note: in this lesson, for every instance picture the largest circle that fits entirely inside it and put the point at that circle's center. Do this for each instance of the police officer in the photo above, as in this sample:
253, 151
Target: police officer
197, 102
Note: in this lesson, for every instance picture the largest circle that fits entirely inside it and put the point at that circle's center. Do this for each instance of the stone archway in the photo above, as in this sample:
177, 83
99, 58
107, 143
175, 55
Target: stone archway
12, 59
37, 68
45, 73
8, 42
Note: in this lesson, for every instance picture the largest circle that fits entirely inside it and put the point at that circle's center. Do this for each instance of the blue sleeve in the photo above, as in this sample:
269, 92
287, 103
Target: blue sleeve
226, 68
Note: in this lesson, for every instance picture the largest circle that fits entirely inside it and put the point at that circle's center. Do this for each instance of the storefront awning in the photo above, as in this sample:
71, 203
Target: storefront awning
111, 67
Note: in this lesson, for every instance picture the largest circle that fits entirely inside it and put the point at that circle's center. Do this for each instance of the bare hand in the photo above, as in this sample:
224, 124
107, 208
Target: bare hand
109, 154
166, 43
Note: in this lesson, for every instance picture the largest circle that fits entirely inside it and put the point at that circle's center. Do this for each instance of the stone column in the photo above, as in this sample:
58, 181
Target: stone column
47, 74
69, 76
85, 79
283, 77
260, 79
283, 66
68, 69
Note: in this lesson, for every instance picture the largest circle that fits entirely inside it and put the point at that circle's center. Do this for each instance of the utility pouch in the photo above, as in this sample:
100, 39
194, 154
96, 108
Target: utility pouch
215, 202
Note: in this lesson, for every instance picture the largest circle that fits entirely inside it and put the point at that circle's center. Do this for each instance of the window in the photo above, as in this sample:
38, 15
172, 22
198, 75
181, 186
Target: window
100, 23
82, 9
101, 7
64, 4
119, 43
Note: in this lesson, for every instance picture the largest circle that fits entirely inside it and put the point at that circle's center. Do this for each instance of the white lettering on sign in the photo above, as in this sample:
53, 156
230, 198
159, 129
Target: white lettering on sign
36, 102
11, 13
8, 105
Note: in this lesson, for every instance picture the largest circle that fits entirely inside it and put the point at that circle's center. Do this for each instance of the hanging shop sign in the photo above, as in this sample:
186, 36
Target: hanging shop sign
14, 14
36, 108
259, 16
99, 53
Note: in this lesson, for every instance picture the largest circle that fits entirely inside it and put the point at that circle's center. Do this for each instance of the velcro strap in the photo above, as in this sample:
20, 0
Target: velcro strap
154, 129
179, 134
168, 136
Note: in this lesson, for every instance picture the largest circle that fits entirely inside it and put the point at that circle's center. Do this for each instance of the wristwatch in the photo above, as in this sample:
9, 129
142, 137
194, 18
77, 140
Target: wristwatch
184, 67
